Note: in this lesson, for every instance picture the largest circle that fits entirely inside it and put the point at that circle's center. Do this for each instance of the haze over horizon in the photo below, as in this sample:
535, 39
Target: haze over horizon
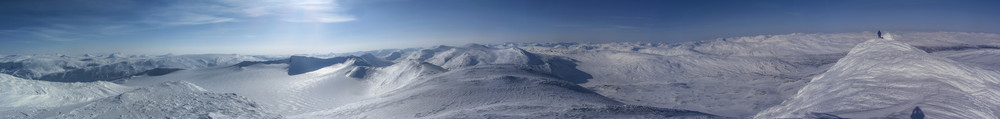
324, 26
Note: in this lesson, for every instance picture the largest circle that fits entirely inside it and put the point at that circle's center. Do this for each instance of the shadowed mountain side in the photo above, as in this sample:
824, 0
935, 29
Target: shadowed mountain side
159, 71
302, 64
566, 69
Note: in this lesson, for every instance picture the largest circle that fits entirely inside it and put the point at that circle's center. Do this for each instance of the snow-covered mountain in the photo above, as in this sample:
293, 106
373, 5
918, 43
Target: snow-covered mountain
86, 68
24, 98
441, 82
886, 78
766, 76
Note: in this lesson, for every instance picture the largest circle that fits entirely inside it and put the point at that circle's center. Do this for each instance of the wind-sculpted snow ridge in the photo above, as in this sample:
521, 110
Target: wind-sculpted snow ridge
166, 100
300, 64
729, 77
734, 77
478, 81
495, 91
883, 78
87, 68
474, 54
475, 79
270, 84
17, 93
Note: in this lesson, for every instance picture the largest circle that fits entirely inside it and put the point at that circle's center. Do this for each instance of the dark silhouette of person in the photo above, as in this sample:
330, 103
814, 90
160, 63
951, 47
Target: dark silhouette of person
880, 34
917, 114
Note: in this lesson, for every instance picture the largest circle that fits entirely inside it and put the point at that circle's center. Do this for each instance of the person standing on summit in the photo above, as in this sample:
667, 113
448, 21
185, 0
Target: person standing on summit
879, 34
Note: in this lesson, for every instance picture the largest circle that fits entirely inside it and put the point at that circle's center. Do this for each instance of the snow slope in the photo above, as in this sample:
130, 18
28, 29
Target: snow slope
308, 88
17, 93
731, 77
734, 77
441, 82
494, 92
166, 100
477, 81
983, 58
66, 68
885, 78
23, 98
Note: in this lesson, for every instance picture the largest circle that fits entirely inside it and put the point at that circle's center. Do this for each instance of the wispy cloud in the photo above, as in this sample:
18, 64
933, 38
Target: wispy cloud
186, 19
49, 33
188, 12
316, 11
321, 11
86, 21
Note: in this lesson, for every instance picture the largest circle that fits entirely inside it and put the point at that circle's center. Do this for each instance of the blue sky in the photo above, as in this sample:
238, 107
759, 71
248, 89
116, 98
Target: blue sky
324, 26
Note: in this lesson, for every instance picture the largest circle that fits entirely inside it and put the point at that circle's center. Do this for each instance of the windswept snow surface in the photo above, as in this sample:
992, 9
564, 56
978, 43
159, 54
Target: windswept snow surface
494, 92
734, 77
18, 93
882, 78
441, 82
87, 68
270, 83
22, 98
754, 76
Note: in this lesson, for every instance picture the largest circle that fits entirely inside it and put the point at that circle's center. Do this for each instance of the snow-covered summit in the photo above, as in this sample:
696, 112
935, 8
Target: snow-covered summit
731, 77
888, 78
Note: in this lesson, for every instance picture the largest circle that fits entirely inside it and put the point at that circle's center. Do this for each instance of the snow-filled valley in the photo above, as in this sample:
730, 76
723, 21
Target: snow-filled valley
849, 75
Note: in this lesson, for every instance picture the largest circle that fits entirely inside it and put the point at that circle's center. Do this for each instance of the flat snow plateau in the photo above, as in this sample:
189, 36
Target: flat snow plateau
851, 75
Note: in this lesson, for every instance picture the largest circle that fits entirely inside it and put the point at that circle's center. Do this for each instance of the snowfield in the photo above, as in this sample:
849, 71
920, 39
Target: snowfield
87, 68
92, 100
850, 75
885, 78
23, 93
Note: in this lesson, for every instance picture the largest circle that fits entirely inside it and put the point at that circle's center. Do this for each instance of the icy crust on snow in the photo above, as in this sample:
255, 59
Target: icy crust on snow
17, 93
166, 100
884, 78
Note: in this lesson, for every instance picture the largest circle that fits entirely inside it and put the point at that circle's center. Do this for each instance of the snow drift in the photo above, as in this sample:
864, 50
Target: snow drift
882, 78
844, 74
441, 82
23, 98
18, 93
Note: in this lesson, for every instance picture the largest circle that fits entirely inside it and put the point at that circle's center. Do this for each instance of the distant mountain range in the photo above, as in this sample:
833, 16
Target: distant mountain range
849, 75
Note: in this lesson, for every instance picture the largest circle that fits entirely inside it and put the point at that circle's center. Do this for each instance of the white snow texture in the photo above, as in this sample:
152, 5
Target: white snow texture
842, 75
